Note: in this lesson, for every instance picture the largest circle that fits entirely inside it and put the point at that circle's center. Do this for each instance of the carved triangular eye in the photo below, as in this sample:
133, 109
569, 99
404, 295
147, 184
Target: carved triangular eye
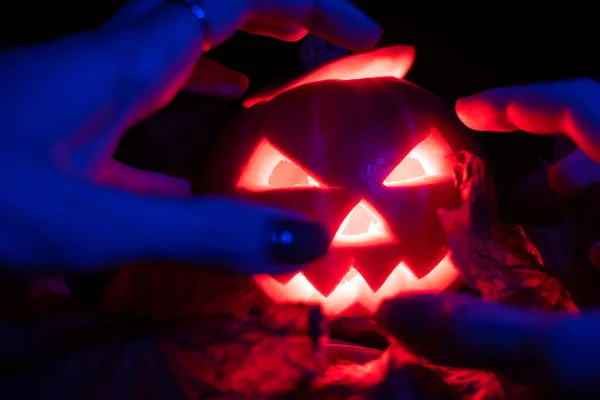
268, 168
428, 159
409, 168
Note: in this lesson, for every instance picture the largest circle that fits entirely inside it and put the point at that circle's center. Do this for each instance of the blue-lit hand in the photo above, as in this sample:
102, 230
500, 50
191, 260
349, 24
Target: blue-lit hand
68, 206
570, 108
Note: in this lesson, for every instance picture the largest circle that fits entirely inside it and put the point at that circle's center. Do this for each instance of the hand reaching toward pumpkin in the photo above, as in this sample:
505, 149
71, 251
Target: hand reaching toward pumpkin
557, 353
571, 108
68, 205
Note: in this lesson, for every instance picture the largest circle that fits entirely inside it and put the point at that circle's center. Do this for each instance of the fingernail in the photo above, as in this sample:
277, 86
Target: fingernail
407, 317
232, 92
573, 173
469, 117
481, 115
462, 102
364, 31
563, 180
555, 180
297, 242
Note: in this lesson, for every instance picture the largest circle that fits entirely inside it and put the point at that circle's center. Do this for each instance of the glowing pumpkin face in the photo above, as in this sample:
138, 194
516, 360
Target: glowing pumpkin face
365, 153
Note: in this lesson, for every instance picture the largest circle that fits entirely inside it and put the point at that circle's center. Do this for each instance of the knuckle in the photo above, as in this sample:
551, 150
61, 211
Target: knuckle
140, 71
138, 65
586, 89
584, 83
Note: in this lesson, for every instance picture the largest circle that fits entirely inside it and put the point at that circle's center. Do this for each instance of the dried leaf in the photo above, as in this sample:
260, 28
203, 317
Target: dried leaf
469, 384
352, 369
495, 259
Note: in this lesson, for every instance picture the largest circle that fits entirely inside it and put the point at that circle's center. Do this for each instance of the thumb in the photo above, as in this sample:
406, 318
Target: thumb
573, 173
456, 330
119, 227
556, 353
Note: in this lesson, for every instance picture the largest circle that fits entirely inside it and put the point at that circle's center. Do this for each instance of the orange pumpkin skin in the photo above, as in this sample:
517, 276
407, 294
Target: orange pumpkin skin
377, 151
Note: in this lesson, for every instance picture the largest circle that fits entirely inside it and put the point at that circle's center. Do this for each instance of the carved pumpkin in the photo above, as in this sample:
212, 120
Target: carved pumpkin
368, 154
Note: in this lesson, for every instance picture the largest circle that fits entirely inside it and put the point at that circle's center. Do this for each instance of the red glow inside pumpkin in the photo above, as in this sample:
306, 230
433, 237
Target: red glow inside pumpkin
372, 257
268, 169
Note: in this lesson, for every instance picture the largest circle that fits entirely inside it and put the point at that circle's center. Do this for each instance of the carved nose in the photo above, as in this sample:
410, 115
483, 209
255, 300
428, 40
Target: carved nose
363, 226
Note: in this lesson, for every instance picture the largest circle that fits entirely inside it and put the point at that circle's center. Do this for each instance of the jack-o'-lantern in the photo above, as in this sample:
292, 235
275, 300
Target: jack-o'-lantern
369, 155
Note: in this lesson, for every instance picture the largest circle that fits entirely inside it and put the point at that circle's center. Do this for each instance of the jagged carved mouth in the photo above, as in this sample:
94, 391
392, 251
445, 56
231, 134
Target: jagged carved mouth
368, 260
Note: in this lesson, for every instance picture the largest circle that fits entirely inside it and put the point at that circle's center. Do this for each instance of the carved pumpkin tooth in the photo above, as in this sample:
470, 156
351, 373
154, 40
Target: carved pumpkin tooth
426, 247
375, 264
327, 273
284, 279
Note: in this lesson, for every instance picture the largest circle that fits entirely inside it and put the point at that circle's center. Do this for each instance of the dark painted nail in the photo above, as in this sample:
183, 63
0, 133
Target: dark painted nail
297, 242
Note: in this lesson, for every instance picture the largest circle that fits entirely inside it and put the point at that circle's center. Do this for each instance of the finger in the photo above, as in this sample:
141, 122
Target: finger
573, 173
285, 33
595, 254
153, 58
392, 61
130, 11
111, 227
341, 23
213, 79
461, 331
337, 21
120, 176
567, 107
